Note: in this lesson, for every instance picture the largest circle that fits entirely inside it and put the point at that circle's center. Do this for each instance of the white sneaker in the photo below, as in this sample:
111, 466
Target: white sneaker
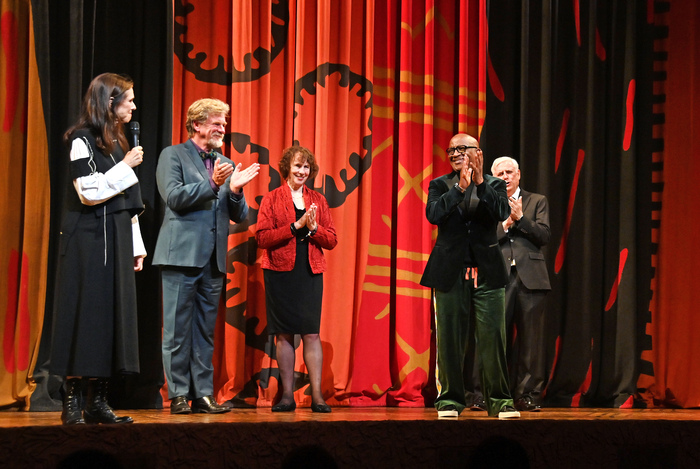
508, 412
448, 411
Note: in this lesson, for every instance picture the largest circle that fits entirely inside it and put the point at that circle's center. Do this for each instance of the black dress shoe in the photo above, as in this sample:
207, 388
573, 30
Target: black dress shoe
179, 405
321, 408
289, 407
527, 404
478, 404
207, 405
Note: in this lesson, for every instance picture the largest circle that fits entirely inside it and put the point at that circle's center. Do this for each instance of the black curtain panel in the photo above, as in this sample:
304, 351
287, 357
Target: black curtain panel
84, 38
569, 97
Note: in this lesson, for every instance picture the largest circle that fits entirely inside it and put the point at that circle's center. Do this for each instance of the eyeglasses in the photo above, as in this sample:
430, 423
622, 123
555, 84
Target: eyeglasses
461, 149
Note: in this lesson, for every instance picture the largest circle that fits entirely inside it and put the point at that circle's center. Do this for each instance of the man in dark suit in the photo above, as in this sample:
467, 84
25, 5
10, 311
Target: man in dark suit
203, 193
466, 271
522, 236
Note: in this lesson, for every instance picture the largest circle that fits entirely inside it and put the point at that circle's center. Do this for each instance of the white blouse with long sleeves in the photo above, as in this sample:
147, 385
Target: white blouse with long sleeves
99, 187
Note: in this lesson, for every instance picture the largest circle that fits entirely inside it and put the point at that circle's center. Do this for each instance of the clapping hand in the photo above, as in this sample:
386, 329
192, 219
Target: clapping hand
472, 170
308, 219
311, 223
476, 165
516, 208
221, 172
516, 212
465, 176
241, 177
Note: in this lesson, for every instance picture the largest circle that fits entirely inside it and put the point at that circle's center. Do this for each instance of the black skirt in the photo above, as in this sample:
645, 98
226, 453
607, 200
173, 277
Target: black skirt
293, 299
95, 331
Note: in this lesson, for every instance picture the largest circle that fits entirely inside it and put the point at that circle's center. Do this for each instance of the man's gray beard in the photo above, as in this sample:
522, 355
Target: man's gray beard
214, 143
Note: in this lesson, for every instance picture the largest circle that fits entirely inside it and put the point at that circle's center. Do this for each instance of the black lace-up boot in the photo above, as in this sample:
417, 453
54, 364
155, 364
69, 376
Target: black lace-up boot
97, 410
72, 413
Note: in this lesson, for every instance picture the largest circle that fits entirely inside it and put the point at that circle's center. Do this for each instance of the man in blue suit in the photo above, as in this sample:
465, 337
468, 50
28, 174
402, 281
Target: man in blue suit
466, 272
203, 193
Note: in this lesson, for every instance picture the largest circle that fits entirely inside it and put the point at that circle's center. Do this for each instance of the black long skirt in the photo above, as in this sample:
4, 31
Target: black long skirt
95, 330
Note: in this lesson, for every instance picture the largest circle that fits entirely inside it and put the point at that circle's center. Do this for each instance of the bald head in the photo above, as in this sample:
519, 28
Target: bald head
464, 139
460, 149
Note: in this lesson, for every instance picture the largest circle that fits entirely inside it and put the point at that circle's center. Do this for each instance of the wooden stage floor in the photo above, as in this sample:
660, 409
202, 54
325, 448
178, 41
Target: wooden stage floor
360, 437
355, 414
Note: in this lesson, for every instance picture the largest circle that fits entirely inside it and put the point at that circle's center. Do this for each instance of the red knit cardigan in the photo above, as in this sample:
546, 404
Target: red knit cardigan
274, 235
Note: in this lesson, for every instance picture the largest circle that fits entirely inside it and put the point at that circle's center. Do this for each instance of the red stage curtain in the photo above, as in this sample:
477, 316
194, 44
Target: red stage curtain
375, 90
24, 207
675, 323
429, 79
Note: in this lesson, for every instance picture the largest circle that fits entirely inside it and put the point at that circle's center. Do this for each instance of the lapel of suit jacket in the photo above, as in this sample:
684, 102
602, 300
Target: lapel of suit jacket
526, 199
452, 179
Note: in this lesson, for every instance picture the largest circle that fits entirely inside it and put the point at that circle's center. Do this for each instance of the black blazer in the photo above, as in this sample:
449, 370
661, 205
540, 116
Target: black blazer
461, 228
525, 239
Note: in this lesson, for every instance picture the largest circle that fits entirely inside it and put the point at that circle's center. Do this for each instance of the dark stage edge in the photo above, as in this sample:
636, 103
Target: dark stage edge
400, 443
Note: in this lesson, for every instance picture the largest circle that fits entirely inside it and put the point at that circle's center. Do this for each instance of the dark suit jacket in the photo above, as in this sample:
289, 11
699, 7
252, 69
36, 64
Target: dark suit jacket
196, 220
525, 239
462, 228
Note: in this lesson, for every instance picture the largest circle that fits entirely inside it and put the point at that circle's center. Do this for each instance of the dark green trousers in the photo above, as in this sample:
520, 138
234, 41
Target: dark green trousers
452, 316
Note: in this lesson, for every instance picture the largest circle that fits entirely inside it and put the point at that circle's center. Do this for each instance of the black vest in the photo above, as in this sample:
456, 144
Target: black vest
129, 200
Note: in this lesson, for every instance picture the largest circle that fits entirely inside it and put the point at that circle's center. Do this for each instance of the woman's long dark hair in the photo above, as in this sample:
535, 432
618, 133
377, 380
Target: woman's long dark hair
97, 113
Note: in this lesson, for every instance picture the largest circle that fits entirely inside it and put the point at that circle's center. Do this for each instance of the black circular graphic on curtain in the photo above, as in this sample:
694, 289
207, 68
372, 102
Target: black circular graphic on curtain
360, 164
219, 74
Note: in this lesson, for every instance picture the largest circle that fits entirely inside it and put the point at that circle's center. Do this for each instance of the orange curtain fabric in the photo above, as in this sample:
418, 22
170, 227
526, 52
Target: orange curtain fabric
24, 203
429, 83
675, 323
376, 95
297, 73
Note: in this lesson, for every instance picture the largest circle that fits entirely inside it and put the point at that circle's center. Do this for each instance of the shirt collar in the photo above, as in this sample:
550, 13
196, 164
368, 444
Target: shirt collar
196, 147
199, 149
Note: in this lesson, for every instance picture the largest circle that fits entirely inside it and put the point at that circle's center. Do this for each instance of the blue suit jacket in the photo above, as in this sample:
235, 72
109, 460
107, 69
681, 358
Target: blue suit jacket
196, 221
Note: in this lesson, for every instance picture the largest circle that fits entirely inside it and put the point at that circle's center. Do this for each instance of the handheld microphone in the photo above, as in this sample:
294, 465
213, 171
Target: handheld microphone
135, 129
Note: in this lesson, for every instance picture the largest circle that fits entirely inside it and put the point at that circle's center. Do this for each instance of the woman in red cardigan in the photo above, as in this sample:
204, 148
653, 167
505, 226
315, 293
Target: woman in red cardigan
294, 226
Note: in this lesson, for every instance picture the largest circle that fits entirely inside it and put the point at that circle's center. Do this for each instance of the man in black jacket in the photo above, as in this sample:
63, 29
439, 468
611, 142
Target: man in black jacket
466, 271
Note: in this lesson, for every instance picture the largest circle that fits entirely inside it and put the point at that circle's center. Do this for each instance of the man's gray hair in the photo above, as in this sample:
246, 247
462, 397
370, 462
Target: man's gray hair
502, 159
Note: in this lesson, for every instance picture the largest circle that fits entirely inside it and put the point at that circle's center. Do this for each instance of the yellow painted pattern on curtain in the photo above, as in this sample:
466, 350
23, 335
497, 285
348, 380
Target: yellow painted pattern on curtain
419, 105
